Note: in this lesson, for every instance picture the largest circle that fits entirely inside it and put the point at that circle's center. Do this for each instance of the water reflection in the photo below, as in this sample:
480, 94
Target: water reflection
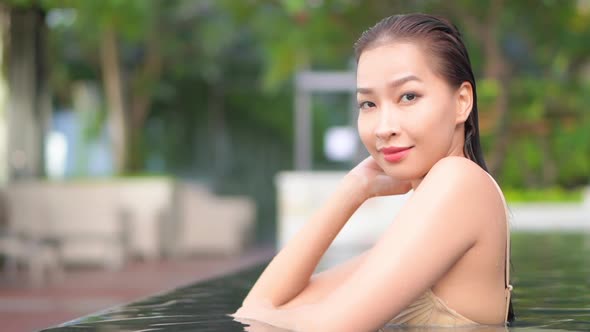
550, 273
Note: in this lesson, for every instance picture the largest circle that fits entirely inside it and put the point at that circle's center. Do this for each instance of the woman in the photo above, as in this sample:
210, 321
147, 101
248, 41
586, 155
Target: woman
444, 260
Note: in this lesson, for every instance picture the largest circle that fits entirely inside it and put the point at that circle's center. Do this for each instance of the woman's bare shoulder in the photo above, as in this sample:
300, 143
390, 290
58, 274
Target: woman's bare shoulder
474, 190
461, 174
460, 167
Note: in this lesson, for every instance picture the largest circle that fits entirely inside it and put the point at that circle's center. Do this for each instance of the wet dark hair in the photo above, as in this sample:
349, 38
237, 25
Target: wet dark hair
444, 42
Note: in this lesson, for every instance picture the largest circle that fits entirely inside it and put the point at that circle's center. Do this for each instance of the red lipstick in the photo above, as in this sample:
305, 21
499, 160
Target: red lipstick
395, 154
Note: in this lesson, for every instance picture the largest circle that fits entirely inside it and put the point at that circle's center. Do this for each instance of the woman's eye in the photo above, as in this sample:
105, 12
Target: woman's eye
408, 97
366, 105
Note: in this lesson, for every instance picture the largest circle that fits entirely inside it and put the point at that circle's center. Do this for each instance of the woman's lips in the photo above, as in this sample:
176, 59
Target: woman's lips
395, 154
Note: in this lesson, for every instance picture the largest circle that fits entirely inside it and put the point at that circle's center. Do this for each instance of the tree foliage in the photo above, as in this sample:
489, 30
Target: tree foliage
226, 66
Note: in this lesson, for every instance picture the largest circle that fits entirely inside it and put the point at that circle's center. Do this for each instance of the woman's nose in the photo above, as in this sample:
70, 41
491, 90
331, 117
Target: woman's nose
387, 126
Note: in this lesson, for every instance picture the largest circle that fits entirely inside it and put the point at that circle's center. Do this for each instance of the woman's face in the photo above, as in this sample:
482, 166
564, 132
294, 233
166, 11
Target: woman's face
409, 117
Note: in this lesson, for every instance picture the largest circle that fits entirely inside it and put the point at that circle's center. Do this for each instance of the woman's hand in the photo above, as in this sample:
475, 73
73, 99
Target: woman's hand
251, 325
376, 182
263, 317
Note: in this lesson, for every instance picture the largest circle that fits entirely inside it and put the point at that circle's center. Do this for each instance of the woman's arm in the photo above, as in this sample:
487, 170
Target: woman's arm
323, 283
290, 270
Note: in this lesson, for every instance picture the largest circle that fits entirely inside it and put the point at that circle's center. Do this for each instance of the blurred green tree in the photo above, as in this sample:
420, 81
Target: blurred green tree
202, 84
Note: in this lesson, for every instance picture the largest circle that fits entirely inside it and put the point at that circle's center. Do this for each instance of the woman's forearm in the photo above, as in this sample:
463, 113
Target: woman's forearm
290, 270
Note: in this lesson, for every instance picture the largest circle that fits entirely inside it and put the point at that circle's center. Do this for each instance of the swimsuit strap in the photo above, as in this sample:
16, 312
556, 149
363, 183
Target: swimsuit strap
507, 285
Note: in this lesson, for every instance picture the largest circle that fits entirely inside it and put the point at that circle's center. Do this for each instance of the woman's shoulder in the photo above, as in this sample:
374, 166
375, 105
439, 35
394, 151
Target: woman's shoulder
455, 170
458, 164
465, 180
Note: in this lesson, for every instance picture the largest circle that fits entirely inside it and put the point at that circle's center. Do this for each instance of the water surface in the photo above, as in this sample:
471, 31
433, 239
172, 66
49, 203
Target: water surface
550, 274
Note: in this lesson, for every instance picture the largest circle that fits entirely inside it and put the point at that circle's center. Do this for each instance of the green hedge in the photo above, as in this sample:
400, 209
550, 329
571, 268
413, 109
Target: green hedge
542, 195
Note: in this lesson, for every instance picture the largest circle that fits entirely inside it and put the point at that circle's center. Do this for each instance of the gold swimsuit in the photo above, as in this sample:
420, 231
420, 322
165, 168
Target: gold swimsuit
431, 310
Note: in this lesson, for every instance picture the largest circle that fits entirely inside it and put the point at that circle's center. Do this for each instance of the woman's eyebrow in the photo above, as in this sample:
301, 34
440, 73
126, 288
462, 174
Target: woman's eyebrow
400, 81
393, 84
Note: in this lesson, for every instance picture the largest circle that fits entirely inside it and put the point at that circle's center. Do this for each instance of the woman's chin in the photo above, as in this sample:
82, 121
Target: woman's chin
397, 172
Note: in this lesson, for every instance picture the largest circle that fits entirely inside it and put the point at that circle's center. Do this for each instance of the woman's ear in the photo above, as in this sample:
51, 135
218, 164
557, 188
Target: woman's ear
464, 102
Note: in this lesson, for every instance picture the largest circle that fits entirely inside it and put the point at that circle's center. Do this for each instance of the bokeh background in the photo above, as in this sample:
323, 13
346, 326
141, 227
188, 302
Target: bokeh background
203, 92
204, 89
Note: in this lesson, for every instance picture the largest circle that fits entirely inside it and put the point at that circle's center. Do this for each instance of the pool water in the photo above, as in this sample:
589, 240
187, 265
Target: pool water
550, 274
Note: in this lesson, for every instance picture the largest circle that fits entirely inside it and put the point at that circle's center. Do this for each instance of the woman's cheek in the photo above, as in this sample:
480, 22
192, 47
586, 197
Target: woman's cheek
366, 133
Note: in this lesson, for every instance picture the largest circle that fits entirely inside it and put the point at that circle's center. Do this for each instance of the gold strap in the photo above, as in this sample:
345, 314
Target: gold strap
508, 293
507, 266
507, 285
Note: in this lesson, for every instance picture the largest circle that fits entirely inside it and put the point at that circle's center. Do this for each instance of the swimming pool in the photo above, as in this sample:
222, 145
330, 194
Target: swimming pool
551, 276
550, 273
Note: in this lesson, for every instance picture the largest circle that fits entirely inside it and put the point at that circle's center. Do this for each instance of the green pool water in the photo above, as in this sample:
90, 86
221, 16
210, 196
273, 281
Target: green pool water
550, 274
